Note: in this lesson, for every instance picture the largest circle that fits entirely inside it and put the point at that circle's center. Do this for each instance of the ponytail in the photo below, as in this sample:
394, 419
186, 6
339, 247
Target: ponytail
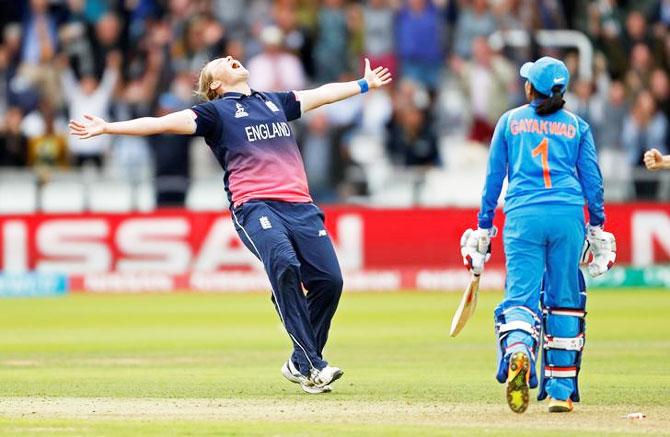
549, 104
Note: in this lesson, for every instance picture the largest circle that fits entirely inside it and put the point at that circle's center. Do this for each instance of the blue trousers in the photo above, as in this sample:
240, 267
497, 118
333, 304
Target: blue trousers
543, 242
291, 241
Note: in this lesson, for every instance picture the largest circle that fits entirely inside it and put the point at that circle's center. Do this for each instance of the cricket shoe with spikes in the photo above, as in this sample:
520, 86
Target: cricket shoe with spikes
517, 382
291, 373
558, 406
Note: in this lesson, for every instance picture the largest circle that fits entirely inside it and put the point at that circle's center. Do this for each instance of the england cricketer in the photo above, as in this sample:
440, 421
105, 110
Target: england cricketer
249, 134
549, 157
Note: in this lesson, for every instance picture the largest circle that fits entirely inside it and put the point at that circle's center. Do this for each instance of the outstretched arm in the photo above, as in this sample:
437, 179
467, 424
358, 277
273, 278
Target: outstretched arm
182, 122
334, 92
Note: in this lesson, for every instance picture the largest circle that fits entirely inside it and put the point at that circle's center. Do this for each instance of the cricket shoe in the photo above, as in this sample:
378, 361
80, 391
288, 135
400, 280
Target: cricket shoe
292, 373
326, 376
558, 406
517, 382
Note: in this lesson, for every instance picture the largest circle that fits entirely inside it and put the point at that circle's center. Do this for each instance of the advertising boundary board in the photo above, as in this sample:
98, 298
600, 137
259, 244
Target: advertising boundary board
379, 249
447, 280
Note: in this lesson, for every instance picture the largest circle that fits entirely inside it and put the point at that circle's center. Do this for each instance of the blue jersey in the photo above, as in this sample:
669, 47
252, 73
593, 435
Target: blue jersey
548, 159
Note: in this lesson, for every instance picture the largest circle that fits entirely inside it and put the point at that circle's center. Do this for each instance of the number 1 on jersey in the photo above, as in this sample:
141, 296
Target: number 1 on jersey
543, 150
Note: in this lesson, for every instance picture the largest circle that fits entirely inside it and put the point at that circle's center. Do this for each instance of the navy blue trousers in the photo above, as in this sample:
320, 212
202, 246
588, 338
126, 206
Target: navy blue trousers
291, 241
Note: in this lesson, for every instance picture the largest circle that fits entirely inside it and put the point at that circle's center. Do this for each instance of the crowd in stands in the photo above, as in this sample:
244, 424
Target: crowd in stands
120, 59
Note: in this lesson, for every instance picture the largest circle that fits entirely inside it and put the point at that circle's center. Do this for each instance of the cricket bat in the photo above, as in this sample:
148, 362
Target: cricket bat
469, 299
466, 307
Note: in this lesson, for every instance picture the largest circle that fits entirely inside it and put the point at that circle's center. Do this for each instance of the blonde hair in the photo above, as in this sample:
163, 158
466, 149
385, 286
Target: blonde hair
204, 81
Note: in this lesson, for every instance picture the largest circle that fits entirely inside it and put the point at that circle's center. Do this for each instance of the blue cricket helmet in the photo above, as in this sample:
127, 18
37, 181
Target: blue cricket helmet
545, 73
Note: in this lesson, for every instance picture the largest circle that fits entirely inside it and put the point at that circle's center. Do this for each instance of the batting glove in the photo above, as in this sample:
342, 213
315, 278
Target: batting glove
476, 248
602, 246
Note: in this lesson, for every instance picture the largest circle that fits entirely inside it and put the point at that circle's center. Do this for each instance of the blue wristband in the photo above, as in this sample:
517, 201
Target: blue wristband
364, 86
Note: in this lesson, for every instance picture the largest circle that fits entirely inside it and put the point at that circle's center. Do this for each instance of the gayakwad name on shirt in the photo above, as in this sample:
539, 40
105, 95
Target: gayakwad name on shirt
267, 131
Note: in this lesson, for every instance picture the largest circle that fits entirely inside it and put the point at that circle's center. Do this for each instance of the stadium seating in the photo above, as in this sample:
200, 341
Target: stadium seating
18, 197
145, 196
63, 197
618, 177
207, 195
110, 196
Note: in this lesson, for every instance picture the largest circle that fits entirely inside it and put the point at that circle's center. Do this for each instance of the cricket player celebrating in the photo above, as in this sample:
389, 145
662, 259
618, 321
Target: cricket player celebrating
249, 134
549, 157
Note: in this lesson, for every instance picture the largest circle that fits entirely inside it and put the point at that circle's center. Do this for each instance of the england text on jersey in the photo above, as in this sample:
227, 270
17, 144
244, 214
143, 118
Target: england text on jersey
265, 131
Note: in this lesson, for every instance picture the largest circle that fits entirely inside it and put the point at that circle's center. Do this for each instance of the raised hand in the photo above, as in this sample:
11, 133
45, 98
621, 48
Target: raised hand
653, 160
94, 126
378, 77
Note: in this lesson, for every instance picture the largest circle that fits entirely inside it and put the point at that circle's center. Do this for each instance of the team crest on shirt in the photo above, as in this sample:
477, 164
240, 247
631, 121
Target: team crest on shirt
271, 105
240, 111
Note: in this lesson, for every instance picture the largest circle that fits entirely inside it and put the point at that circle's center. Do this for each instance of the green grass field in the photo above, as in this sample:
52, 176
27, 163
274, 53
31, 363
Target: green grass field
209, 365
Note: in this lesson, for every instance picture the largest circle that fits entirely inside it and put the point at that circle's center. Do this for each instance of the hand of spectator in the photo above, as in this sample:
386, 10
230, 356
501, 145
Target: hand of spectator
378, 77
94, 126
653, 159
114, 59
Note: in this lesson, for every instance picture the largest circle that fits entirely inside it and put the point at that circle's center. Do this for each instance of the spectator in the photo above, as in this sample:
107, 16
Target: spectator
317, 151
378, 38
38, 47
297, 39
13, 143
586, 103
274, 69
331, 48
418, 42
88, 96
644, 128
5, 74
475, 19
641, 65
18, 90
606, 26
77, 40
131, 156
636, 31
48, 150
39, 34
107, 40
325, 143
486, 81
660, 89
529, 15
201, 38
608, 134
231, 13
411, 139
171, 156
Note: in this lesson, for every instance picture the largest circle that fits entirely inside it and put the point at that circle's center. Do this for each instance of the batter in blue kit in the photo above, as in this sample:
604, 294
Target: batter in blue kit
549, 157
